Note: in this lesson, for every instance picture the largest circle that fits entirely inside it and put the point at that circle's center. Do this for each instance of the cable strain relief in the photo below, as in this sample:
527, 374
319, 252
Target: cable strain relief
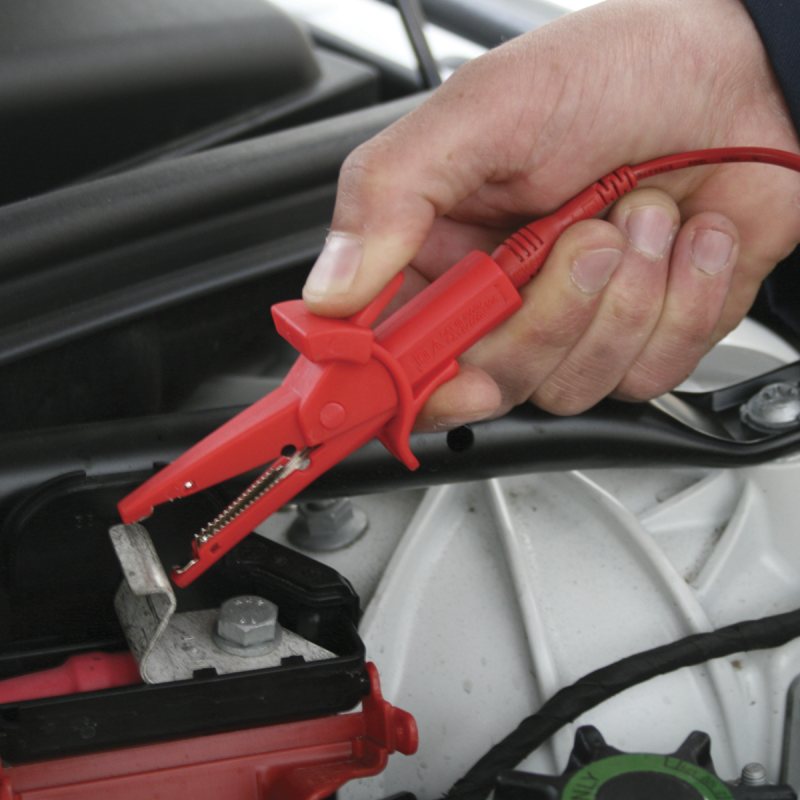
522, 255
617, 183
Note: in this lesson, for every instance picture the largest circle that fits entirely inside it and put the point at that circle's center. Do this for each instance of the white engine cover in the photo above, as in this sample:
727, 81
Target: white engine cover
499, 593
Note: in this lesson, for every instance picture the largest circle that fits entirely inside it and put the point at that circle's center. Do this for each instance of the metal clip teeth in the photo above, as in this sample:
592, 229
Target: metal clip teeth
255, 491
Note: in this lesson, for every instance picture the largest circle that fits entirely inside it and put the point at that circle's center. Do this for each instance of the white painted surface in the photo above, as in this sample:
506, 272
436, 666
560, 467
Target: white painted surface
377, 27
502, 592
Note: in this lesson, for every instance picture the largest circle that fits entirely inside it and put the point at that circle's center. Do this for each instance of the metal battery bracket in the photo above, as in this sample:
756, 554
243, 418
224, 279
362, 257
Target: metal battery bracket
170, 646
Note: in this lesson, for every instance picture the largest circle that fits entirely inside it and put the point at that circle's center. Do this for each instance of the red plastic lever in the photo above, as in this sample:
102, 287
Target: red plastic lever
416, 348
426, 335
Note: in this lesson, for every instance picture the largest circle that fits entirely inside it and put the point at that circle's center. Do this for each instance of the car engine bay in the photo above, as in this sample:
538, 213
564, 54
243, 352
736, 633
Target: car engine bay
556, 601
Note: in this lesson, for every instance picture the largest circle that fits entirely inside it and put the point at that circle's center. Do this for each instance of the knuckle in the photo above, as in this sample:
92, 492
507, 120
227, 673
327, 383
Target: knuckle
691, 333
359, 165
557, 401
660, 370
566, 392
641, 384
515, 383
369, 166
645, 196
560, 332
639, 198
696, 336
630, 315
545, 325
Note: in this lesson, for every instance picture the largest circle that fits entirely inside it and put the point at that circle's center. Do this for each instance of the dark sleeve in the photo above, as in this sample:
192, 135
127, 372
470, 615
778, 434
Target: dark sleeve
778, 24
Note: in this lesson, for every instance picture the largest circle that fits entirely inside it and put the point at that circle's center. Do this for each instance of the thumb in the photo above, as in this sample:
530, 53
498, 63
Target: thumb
391, 189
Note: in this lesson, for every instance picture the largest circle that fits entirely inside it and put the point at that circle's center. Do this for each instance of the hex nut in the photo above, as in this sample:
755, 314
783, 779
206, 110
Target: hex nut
247, 621
327, 525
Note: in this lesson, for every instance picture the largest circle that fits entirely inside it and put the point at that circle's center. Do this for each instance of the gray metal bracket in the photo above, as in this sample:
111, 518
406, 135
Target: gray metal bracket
169, 646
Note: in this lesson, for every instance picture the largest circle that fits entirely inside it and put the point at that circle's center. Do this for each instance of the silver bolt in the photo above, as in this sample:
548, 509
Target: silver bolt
247, 626
325, 525
775, 408
754, 774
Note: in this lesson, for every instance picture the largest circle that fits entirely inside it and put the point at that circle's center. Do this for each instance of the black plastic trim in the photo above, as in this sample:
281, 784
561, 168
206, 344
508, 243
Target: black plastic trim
80, 220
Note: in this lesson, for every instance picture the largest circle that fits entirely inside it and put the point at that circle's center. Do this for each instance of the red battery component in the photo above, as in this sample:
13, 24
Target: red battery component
296, 761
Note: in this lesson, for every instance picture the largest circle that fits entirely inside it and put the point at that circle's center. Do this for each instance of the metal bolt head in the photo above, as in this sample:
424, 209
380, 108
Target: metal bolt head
247, 621
754, 774
327, 525
774, 408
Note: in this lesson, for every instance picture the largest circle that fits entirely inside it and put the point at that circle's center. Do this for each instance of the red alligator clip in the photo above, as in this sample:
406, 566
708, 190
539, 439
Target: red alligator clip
352, 384
349, 385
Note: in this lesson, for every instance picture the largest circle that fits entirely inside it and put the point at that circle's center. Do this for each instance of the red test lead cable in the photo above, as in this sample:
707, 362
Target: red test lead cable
352, 384
522, 255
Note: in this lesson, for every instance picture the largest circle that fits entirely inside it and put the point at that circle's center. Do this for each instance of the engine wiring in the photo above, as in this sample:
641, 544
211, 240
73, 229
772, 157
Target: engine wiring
589, 691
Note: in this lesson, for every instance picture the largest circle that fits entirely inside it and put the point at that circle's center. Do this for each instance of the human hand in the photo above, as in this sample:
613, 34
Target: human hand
624, 306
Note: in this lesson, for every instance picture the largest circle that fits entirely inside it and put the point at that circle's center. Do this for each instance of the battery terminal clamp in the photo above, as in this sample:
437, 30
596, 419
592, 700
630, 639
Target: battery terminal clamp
352, 383
174, 647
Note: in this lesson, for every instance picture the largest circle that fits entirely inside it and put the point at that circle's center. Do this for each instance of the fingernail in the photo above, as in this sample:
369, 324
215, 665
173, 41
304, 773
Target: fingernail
592, 269
439, 423
711, 251
337, 265
650, 230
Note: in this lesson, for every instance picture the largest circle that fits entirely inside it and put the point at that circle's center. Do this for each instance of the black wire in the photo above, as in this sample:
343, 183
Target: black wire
414, 19
591, 690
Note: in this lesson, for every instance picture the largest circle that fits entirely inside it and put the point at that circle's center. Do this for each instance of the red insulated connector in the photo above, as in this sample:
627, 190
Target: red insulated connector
522, 255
